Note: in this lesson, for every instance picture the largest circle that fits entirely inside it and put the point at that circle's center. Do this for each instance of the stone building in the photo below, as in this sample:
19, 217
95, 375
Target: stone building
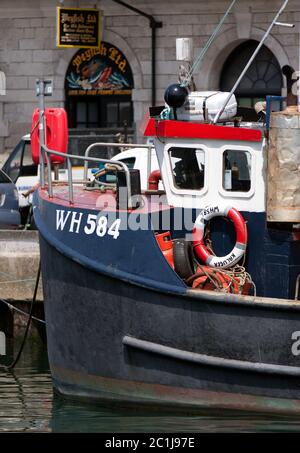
28, 51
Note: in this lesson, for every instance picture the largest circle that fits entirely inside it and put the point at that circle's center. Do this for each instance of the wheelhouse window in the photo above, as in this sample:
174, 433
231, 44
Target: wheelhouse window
187, 167
237, 170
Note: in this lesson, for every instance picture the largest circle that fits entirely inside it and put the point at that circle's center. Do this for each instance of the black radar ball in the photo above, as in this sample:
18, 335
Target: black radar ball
175, 95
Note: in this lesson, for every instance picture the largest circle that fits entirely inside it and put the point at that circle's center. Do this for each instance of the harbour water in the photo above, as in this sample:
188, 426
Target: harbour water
28, 404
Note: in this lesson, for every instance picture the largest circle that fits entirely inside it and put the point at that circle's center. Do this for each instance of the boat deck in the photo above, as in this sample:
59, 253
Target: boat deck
97, 200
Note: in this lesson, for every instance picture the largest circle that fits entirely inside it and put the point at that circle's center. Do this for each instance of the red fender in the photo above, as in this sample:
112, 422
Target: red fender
56, 133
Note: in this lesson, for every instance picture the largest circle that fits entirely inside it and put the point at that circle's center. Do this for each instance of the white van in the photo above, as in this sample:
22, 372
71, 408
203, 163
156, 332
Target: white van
138, 158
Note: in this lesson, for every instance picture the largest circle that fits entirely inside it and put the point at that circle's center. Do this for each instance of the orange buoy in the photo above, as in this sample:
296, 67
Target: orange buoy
166, 246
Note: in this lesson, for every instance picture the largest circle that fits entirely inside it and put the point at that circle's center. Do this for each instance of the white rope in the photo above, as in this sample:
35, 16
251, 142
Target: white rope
12, 307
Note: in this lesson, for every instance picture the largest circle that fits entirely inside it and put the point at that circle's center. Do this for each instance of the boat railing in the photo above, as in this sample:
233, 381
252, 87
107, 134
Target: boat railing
118, 145
46, 152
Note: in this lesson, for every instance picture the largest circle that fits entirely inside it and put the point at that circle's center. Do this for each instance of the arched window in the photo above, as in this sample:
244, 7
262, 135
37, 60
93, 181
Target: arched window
98, 88
264, 77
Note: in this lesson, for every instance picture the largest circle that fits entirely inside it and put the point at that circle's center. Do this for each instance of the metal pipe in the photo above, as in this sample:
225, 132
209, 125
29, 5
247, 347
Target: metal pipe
149, 155
70, 181
207, 46
153, 25
49, 168
41, 131
249, 63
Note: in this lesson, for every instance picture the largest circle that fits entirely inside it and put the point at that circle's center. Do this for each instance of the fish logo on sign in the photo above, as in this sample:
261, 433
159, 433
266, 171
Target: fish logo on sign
2, 343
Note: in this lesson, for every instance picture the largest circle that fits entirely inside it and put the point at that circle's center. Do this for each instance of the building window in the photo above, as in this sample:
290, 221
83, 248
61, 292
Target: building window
102, 112
264, 77
236, 170
98, 89
187, 167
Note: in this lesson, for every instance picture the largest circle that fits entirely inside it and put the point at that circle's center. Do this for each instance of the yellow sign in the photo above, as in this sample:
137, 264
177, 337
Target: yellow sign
77, 27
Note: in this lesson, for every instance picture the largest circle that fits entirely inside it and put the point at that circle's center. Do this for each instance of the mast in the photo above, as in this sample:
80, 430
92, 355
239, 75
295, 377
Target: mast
274, 22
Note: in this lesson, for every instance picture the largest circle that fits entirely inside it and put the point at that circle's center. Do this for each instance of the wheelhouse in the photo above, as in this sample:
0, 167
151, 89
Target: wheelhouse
202, 169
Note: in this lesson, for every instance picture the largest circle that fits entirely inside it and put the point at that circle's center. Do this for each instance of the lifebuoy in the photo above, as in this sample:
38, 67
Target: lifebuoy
241, 237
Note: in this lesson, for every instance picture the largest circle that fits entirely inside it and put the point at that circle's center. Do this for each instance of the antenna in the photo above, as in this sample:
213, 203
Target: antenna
206, 47
274, 22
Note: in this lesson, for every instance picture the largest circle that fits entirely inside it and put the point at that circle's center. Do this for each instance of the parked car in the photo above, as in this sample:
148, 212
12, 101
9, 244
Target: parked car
20, 168
9, 203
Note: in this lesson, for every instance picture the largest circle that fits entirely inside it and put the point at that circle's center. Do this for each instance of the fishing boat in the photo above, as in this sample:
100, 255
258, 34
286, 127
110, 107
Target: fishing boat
184, 298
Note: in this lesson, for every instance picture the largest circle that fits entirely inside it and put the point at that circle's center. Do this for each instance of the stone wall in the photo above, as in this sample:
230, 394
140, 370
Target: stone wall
28, 48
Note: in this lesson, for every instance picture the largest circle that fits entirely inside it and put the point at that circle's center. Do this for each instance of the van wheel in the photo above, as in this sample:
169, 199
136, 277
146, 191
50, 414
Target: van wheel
183, 258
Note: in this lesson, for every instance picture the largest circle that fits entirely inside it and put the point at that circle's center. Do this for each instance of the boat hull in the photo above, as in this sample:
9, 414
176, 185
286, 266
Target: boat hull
113, 340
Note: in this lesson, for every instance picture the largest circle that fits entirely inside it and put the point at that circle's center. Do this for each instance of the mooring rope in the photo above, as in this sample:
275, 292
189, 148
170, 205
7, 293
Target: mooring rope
25, 313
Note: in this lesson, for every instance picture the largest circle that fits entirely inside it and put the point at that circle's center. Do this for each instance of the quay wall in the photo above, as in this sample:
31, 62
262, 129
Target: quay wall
19, 260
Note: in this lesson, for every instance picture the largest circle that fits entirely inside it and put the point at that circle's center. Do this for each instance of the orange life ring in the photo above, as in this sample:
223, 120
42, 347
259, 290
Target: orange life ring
241, 237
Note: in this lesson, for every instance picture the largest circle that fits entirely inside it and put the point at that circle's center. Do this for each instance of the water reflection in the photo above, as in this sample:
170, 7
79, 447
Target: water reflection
26, 393
70, 416
28, 403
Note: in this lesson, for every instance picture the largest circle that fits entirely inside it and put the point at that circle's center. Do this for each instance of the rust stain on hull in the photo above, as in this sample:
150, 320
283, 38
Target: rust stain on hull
70, 383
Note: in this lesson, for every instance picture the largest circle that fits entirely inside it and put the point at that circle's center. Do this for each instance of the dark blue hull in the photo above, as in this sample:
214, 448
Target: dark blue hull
92, 320
130, 336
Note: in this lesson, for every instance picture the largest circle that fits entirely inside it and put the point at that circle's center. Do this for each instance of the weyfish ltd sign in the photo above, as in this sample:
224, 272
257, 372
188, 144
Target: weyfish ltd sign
77, 27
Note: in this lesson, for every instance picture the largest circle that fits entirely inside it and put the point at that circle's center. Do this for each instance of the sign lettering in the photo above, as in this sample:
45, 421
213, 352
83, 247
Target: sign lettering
99, 71
77, 27
74, 222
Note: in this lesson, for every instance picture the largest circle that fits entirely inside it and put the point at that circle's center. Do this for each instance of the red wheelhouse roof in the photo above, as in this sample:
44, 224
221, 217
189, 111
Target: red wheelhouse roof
184, 129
